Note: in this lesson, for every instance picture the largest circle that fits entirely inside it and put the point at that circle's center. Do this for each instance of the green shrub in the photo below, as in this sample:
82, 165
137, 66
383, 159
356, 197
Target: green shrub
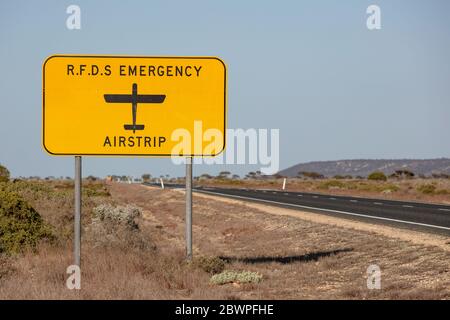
210, 265
331, 184
30, 190
21, 226
377, 176
430, 188
234, 276
4, 174
427, 188
95, 190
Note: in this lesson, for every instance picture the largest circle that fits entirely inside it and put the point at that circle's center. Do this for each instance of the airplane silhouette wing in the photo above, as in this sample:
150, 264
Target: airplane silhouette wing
140, 98
118, 98
150, 98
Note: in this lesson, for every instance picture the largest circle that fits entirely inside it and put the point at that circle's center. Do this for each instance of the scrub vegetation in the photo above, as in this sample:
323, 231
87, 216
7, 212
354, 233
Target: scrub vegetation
21, 226
133, 248
4, 174
435, 190
210, 265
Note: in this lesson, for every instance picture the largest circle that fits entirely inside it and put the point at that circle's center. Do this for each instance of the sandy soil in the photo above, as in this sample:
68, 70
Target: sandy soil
303, 255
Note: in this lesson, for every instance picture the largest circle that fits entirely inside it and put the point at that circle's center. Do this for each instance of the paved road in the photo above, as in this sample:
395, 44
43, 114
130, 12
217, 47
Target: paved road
422, 216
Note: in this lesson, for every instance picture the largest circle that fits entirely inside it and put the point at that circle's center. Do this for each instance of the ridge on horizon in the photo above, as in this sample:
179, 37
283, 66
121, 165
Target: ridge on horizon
363, 167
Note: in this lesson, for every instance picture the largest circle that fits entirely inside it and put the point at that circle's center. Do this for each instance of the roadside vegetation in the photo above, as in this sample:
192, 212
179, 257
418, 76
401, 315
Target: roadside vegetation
4, 174
377, 176
21, 226
133, 245
401, 185
120, 252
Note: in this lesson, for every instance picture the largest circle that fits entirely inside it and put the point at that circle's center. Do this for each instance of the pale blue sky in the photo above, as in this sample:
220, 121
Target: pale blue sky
310, 68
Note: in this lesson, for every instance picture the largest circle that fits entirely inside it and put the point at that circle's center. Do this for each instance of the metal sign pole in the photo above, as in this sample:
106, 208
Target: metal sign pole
189, 208
77, 220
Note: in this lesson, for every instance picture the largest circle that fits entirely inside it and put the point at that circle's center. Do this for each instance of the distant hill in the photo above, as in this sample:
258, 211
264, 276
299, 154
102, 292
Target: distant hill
363, 167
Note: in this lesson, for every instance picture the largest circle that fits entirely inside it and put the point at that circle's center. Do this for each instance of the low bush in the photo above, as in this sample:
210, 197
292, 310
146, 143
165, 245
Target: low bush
212, 265
235, 276
330, 184
4, 174
427, 188
21, 226
117, 227
117, 215
31, 190
377, 176
92, 189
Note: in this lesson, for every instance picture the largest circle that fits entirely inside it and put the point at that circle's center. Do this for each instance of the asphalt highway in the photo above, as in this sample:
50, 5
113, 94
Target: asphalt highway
412, 215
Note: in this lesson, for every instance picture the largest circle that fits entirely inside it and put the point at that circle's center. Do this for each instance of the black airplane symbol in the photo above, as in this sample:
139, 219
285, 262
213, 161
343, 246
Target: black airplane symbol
134, 99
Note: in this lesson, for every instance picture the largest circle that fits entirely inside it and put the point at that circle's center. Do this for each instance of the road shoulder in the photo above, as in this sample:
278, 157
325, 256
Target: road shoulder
415, 237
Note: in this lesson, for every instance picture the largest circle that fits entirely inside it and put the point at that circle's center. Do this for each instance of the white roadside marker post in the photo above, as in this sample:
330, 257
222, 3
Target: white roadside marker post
284, 183
162, 183
189, 208
77, 220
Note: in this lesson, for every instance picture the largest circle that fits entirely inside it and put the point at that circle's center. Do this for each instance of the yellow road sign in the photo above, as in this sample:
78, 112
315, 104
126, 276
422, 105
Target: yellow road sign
126, 105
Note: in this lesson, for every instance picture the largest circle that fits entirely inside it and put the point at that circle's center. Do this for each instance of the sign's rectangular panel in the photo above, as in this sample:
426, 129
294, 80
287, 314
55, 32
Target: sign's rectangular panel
125, 105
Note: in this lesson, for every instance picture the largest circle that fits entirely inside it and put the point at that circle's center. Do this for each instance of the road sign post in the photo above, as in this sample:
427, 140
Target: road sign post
86, 107
77, 220
189, 208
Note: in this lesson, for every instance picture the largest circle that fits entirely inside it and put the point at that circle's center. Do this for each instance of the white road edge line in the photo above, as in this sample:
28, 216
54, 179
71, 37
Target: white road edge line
442, 209
407, 206
329, 210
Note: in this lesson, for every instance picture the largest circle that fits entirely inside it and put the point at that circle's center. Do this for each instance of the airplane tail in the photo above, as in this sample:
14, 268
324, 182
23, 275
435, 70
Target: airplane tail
133, 127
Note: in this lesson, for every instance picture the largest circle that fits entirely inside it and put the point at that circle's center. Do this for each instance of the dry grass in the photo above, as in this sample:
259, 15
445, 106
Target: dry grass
298, 259
107, 273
